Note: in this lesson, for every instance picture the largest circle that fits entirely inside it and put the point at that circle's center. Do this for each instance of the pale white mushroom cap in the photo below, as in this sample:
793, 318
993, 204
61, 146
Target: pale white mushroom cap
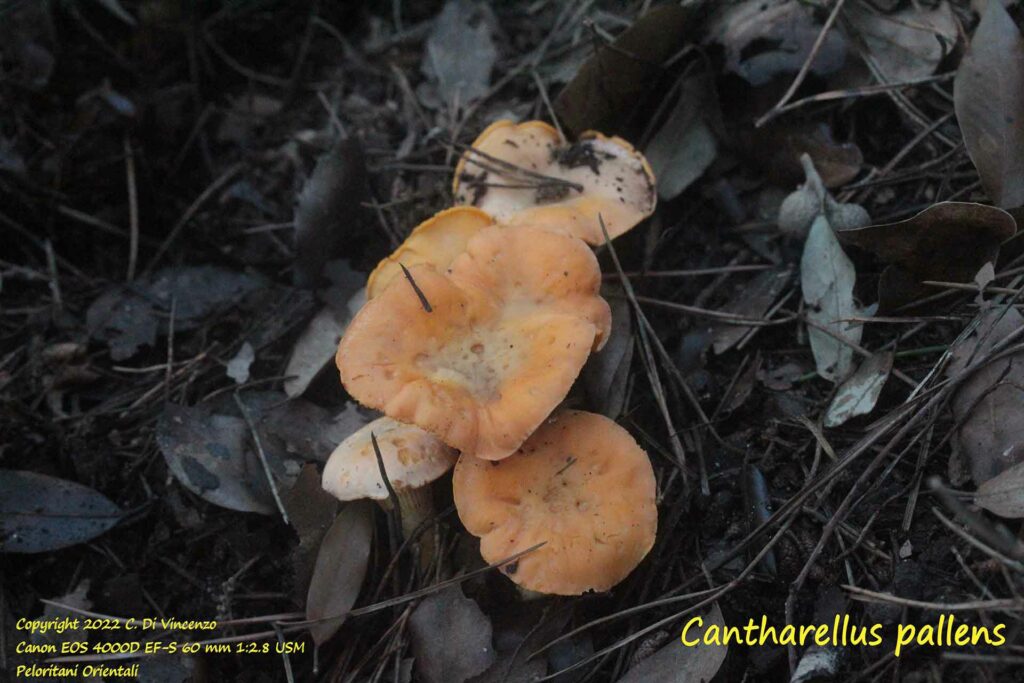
412, 458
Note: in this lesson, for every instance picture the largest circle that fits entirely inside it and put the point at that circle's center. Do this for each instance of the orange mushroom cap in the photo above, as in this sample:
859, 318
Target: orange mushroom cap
437, 241
612, 180
511, 324
581, 486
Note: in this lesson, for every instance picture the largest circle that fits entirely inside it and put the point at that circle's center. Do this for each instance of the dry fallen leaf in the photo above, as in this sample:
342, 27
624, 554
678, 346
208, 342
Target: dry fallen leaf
317, 345
907, 44
770, 38
948, 241
989, 406
752, 300
1003, 494
311, 510
39, 513
609, 84
827, 277
677, 663
340, 569
210, 455
988, 95
460, 53
328, 208
859, 393
451, 638
685, 145
606, 374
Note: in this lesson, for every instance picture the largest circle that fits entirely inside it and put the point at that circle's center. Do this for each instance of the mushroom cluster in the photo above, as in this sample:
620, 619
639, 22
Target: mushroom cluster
473, 333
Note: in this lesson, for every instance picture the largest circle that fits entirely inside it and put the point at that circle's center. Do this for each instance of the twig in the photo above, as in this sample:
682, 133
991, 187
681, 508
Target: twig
802, 74
416, 288
133, 209
396, 511
865, 595
263, 456
191, 211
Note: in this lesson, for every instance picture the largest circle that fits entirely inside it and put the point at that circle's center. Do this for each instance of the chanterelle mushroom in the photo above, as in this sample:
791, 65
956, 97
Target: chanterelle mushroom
437, 241
412, 459
510, 326
581, 486
554, 183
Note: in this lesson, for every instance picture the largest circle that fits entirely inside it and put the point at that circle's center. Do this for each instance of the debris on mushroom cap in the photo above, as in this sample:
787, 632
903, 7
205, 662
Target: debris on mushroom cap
581, 486
412, 458
437, 241
509, 329
596, 176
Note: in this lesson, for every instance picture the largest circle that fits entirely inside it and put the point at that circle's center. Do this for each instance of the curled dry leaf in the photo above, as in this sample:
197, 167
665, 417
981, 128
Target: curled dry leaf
989, 405
328, 208
949, 241
1003, 494
676, 662
827, 277
907, 44
772, 38
610, 83
451, 638
39, 513
988, 95
340, 569
859, 393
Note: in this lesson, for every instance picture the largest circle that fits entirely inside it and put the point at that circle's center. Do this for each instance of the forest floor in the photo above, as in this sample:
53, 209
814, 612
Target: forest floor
165, 243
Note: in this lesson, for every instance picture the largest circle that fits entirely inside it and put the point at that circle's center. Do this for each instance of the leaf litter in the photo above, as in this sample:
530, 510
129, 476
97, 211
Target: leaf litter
893, 150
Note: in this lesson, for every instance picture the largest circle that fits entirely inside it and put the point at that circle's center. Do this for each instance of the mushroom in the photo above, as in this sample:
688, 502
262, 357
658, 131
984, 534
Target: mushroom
412, 459
481, 354
581, 486
437, 241
524, 174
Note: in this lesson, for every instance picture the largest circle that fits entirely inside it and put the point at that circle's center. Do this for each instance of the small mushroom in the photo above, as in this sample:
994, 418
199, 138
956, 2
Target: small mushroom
524, 174
480, 355
437, 241
581, 486
412, 459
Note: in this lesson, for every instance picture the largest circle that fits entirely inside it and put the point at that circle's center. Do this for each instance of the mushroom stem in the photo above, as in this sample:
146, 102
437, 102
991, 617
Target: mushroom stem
415, 506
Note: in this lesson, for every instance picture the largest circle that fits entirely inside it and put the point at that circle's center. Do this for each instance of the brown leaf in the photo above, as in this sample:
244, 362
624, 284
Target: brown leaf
311, 511
948, 242
677, 662
340, 568
609, 84
778, 146
329, 205
989, 407
451, 638
988, 95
